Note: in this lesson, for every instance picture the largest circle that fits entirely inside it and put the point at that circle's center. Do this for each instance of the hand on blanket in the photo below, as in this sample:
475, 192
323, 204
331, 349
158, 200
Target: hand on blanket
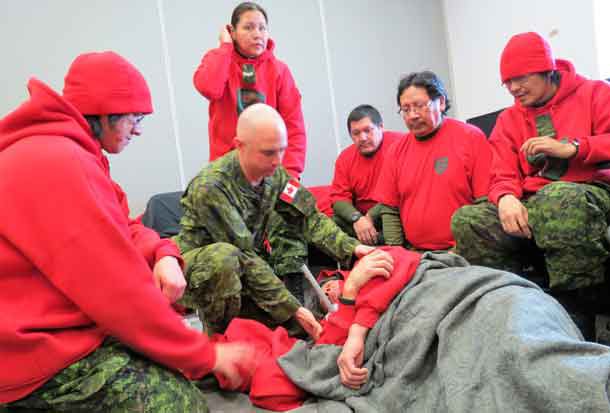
309, 323
351, 358
235, 363
378, 263
169, 278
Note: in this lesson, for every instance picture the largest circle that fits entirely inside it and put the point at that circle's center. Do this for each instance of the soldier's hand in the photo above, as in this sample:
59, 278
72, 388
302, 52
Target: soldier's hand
169, 278
548, 146
378, 263
309, 323
361, 250
513, 216
235, 362
351, 358
365, 230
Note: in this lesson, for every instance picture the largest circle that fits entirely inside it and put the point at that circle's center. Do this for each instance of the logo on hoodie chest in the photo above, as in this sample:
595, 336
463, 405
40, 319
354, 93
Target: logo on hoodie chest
441, 164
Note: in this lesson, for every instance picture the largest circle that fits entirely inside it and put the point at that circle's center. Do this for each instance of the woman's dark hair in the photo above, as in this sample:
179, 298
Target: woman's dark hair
427, 80
244, 7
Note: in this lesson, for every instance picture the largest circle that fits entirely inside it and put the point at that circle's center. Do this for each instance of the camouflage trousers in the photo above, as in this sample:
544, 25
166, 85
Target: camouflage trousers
568, 223
114, 379
224, 282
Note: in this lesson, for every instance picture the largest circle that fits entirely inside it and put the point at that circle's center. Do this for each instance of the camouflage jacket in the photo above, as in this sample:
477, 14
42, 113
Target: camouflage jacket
220, 205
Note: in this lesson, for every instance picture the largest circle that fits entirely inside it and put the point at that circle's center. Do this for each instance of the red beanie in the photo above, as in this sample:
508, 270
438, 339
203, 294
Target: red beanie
526, 53
106, 83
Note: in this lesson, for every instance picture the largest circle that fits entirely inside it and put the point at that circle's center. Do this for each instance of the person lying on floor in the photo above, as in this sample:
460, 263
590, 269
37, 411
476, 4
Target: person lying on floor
367, 291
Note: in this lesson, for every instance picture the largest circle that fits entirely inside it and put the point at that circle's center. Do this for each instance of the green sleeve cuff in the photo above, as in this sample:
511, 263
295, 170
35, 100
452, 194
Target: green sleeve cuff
344, 210
392, 227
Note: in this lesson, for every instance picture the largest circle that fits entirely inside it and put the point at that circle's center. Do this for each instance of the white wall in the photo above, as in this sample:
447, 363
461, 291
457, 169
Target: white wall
370, 44
477, 31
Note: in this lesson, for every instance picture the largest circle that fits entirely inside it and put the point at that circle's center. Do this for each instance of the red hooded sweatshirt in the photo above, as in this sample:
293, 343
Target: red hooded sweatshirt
219, 79
269, 386
356, 175
579, 110
74, 268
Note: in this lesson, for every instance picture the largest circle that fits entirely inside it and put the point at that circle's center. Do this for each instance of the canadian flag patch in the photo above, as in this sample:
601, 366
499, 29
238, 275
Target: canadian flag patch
290, 190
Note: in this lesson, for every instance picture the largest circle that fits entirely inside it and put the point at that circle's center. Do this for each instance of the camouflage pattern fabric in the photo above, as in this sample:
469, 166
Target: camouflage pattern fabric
220, 206
568, 223
114, 379
220, 276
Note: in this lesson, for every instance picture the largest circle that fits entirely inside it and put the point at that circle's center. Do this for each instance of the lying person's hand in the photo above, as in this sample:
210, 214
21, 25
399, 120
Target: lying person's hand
309, 323
169, 278
378, 263
361, 250
351, 358
235, 362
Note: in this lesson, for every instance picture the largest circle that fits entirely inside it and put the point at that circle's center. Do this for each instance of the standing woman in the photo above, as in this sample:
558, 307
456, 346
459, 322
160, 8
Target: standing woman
243, 71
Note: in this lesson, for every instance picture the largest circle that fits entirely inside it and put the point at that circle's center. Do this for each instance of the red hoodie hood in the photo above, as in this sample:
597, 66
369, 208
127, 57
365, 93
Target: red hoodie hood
46, 113
570, 81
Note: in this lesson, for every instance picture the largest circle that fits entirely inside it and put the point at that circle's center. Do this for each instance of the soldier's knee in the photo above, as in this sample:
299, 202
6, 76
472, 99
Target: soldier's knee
462, 219
214, 260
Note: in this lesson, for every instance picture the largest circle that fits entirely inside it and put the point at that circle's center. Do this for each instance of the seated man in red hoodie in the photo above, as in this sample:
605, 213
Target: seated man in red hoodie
366, 293
546, 193
441, 165
357, 171
86, 292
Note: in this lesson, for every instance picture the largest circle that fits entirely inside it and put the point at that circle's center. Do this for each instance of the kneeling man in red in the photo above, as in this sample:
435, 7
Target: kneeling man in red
365, 294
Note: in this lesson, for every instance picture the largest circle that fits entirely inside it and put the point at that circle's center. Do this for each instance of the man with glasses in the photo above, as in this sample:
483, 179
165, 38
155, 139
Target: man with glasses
357, 171
439, 166
87, 322
547, 193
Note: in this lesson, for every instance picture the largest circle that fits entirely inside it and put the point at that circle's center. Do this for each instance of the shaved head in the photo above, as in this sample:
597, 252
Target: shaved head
259, 117
261, 141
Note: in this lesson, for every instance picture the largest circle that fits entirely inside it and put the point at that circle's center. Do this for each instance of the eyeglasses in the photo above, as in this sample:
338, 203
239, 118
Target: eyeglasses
415, 108
134, 118
517, 80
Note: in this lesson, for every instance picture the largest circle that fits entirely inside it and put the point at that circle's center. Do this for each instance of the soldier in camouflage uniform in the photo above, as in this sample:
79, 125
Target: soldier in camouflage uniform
547, 192
227, 210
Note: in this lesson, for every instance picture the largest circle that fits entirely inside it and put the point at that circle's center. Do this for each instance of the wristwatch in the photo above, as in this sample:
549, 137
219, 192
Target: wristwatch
356, 215
576, 144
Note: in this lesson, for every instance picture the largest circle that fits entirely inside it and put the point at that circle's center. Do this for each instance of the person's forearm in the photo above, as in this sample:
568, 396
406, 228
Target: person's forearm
344, 210
392, 227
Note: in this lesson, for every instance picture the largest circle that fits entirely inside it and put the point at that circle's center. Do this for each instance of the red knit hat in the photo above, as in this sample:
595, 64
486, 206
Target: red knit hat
106, 83
526, 53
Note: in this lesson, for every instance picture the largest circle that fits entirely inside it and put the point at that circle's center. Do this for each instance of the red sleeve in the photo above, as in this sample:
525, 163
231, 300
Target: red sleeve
146, 240
336, 327
377, 294
212, 74
596, 148
341, 189
289, 106
86, 252
480, 173
386, 191
506, 173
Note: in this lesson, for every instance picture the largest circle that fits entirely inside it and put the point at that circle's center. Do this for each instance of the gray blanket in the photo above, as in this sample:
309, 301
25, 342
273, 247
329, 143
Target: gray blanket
463, 338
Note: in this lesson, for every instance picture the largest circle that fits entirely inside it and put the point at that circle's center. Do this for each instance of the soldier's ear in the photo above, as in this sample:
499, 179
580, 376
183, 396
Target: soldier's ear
238, 142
